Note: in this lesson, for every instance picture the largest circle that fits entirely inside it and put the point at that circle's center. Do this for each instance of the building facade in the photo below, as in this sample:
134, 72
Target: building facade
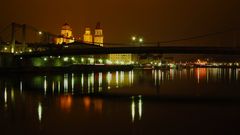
87, 37
98, 35
122, 58
66, 36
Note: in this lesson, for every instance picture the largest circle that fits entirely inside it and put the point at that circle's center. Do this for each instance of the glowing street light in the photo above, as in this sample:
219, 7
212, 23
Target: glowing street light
100, 60
134, 38
140, 40
65, 59
40, 33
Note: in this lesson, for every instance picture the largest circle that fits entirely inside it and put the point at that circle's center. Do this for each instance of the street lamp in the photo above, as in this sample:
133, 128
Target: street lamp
134, 38
40, 33
140, 40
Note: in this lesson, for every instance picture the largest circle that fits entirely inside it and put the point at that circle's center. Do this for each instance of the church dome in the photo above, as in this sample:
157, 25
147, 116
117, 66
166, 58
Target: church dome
66, 26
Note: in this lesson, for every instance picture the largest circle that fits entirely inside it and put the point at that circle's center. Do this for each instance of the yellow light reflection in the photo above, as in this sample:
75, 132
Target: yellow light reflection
73, 82
100, 81
130, 77
82, 82
117, 81
65, 83
236, 74
5, 96
40, 110
59, 86
133, 109
122, 77
89, 83
12, 95
140, 107
172, 74
53, 87
155, 77
45, 85
109, 78
92, 82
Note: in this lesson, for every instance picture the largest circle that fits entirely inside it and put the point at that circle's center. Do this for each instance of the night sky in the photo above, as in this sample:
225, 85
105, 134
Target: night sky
155, 20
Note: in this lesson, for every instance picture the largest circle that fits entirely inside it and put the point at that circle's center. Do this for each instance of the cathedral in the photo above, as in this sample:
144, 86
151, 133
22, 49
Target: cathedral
67, 37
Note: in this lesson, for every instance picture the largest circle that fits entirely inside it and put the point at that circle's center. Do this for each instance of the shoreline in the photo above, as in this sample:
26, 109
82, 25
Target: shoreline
73, 68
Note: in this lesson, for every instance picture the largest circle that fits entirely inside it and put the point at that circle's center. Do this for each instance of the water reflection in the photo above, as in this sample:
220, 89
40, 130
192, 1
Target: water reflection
201, 75
117, 81
48, 99
45, 85
136, 106
40, 110
66, 103
21, 86
5, 97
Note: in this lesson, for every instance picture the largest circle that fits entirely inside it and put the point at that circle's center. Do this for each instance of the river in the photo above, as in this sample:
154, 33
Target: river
175, 101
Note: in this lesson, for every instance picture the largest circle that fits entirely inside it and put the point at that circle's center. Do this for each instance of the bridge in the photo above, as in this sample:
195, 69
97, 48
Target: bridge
58, 51
47, 48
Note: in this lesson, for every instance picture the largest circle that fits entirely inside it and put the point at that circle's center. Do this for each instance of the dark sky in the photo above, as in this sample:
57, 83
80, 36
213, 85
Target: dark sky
155, 20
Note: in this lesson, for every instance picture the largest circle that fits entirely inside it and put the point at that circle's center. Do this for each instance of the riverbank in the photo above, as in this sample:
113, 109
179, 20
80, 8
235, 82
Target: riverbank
72, 68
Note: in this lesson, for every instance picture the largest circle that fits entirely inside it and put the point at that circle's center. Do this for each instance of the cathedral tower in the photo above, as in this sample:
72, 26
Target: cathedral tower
98, 35
87, 37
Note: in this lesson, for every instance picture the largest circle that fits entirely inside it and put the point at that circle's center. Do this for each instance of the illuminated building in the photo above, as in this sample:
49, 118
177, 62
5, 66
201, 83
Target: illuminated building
98, 35
122, 58
66, 35
87, 37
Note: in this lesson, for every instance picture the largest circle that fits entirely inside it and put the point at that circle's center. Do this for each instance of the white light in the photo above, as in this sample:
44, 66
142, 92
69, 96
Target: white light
133, 110
30, 50
91, 60
133, 38
73, 58
5, 96
40, 111
65, 59
109, 62
140, 40
45, 85
100, 60
40, 33
140, 107
5, 48
45, 59
65, 82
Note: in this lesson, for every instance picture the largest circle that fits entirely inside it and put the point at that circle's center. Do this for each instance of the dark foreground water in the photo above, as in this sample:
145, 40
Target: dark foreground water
187, 101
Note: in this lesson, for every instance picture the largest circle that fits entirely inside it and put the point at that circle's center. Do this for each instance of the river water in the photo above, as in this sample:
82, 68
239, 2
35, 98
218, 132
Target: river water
175, 101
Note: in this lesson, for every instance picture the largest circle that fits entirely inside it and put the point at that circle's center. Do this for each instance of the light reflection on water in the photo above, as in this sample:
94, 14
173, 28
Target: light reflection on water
67, 98
137, 82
